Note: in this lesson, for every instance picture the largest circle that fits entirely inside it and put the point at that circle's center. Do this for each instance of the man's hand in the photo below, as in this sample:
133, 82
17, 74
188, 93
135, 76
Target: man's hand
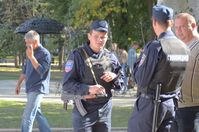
108, 76
17, 89
96, 89
29, 51
30, 55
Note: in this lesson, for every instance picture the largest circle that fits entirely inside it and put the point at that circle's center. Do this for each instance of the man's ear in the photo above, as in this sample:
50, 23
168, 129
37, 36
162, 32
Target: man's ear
89, 35
193, 25
154, 22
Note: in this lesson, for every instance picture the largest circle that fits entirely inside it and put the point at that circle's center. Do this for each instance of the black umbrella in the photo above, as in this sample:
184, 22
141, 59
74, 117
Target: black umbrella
42, 25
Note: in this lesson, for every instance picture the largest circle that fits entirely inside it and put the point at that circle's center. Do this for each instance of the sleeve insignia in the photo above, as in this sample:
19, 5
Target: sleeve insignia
69, 65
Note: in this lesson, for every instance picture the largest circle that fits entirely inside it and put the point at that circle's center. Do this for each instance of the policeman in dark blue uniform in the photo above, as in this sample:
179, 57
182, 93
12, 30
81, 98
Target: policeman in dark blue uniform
92, 71
162, 61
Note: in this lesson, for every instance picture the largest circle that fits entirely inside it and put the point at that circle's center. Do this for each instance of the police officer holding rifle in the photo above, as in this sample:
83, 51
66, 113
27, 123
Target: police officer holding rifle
91, 71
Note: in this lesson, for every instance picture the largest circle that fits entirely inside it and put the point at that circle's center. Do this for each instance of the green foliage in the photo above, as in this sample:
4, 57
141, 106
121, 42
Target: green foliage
57, 9
51, 43
13, 13
129, 20
11, 43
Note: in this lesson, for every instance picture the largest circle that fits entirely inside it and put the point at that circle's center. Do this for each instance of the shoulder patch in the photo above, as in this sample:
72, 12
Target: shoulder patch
69, 65
142, 59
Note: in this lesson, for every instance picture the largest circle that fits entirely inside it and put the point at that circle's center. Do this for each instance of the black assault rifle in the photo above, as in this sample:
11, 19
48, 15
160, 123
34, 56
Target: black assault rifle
77, 98
65, 97
156, 107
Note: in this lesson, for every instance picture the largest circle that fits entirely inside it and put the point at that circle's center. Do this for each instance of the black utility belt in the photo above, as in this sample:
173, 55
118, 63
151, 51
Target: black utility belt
151, 97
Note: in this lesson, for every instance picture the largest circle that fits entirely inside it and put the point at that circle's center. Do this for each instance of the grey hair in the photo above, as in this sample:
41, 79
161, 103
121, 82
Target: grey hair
189, 17
32, 35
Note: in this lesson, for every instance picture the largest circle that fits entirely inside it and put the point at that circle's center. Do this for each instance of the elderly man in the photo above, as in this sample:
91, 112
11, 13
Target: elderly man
36, 74
188, 113
162, 62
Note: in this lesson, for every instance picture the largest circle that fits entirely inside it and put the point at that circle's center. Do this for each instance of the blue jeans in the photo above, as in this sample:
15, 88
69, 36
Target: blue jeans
32, 110
188, 119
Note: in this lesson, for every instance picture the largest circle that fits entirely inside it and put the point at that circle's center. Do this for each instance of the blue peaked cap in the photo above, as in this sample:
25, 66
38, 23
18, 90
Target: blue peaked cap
162, 13
99, 25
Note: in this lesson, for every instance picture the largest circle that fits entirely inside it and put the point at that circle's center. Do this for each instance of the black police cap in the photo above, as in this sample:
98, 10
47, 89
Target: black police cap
99, 25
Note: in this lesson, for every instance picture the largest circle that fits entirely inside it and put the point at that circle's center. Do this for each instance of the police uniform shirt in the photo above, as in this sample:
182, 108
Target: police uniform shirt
74, 71
147, 63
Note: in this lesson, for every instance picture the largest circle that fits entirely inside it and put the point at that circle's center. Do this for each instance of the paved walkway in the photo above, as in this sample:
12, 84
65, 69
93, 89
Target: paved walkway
7, 92
61, 130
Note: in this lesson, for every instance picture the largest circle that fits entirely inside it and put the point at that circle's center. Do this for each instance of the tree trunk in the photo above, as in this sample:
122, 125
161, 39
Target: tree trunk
150, 6
61, 57
21, 59
17, 61
61, 53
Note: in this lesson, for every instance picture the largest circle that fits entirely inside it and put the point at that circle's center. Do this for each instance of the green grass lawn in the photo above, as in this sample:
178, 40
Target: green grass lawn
11, 73
11, 112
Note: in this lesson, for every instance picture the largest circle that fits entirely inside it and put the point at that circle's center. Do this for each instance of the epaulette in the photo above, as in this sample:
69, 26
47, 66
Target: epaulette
151, 42
80, 51
77, 50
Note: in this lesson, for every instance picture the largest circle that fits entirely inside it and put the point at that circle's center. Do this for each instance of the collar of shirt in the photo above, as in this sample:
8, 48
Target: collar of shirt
38, 48
91, 53
192, 43
167, 34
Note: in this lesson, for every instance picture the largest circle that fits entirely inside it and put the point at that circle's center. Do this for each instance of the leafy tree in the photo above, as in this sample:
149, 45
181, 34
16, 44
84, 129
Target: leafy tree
129, 19
13, 13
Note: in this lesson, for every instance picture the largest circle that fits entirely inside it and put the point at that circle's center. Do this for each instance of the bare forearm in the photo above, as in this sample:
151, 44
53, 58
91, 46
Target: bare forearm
21, 78
34, 62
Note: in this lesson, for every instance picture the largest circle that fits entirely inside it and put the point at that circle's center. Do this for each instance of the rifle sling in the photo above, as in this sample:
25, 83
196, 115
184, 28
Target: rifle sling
90, 65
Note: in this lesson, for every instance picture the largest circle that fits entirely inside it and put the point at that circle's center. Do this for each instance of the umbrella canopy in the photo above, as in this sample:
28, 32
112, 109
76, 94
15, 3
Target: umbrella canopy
41, 25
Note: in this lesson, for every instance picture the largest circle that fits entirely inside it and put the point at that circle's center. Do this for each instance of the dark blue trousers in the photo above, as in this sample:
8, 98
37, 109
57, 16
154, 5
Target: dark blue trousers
188, 119
142, 116
97, 121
